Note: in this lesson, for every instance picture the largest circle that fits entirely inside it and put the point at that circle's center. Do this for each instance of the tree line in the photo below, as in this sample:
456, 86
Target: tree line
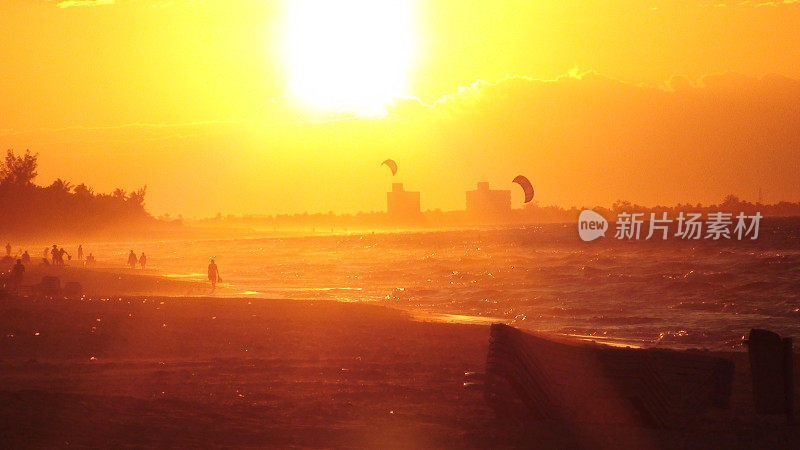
63, 209
531, 213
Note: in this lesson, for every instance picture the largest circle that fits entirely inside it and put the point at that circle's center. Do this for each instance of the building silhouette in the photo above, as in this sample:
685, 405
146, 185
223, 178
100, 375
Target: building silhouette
402, 205
488, 202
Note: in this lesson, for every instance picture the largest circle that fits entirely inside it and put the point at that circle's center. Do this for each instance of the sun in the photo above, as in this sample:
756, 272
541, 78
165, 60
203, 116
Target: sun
349, 55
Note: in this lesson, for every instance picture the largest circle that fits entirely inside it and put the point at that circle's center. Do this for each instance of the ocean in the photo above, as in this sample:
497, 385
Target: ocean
674, 293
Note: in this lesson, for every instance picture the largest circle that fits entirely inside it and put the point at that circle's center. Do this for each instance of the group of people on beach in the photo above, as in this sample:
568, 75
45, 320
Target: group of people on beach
25, 257
51, 256
57, 254
133, 260
54, 256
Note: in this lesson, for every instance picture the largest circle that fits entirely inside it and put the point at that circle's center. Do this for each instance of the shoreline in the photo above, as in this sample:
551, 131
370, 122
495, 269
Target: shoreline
118, 282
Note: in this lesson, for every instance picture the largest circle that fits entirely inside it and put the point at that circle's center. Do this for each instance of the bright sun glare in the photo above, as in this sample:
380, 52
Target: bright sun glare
348, 54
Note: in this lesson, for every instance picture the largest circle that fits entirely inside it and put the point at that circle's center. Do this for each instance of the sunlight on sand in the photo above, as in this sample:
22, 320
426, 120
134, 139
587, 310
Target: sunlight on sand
193, 275
454, 318
613, 342
482, 320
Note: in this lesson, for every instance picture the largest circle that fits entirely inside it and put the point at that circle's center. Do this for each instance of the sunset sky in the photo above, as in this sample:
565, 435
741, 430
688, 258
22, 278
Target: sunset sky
264, 107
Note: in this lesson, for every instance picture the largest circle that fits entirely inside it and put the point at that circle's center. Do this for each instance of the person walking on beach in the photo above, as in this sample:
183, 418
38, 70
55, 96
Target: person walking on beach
15, 278
142, 260
132, 259
213, 274
80, 252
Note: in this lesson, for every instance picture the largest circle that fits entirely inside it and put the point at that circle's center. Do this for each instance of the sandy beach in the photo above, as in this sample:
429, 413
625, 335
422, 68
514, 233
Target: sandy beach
400, 224
193, 371
116, 281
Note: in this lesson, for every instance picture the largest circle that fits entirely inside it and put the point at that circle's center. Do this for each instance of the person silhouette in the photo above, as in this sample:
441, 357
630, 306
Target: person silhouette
55, 254
8, 249
26, 257
142, 260
90, 260
132, 259
80, 252
15, 278
213, 274
61, 253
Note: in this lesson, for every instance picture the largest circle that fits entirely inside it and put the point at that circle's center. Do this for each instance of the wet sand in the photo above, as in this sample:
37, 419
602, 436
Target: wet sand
196, 371
116, 281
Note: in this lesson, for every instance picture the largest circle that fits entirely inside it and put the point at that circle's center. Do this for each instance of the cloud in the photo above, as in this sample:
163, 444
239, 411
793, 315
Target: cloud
751, 3
74, 3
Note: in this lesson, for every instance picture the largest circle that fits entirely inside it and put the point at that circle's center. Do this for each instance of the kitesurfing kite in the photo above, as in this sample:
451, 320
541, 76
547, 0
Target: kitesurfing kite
526, 186
391, 165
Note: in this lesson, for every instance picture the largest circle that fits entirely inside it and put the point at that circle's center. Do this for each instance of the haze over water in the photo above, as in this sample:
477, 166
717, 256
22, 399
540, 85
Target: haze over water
674, 293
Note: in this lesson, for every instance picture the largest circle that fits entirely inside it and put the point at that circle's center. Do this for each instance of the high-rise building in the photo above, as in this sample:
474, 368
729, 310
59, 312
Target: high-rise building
402, 204
487, 202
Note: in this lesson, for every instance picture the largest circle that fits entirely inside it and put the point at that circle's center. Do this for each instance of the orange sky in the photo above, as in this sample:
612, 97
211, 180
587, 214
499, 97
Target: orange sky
192, 98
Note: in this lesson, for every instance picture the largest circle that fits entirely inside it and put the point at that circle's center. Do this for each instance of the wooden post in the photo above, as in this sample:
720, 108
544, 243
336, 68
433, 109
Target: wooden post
788, 378
771, 365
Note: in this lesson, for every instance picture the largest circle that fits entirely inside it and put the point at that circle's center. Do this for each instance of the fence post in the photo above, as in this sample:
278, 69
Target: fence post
788, 378
772, 369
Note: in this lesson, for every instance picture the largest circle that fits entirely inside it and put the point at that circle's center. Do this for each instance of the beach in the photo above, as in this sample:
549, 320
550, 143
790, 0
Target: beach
400, 224
189, 371
675, 293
